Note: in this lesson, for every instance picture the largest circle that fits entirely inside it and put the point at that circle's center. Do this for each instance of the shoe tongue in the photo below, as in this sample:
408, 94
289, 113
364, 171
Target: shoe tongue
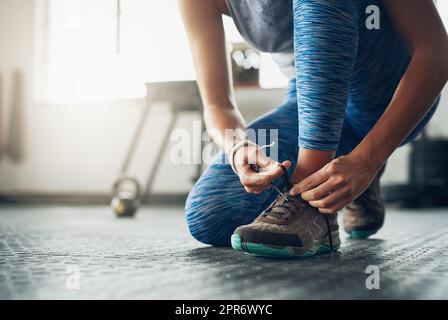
282, 208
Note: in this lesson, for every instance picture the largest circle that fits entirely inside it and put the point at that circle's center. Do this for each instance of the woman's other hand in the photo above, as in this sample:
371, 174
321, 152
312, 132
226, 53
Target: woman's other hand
256, 170
337, 184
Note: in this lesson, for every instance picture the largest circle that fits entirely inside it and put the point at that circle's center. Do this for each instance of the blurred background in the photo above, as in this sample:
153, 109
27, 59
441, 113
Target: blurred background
94, 96
72, 95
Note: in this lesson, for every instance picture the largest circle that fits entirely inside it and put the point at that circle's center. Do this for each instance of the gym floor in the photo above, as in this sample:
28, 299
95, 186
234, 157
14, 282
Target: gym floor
153, 257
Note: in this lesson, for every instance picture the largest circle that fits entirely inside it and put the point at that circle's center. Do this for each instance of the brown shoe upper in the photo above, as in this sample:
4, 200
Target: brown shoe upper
292, 222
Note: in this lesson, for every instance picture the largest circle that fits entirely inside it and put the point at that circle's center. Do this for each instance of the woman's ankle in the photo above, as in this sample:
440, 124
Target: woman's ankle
310, 161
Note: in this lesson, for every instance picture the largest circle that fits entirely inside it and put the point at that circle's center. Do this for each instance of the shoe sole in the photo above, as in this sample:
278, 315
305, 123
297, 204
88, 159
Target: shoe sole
263, 250
361, 234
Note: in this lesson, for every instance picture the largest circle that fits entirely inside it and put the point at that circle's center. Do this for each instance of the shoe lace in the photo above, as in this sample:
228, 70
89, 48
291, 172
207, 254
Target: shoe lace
277, 209
281, 214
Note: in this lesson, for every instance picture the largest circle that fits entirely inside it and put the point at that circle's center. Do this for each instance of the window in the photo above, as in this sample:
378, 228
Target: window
442, 5
107, 49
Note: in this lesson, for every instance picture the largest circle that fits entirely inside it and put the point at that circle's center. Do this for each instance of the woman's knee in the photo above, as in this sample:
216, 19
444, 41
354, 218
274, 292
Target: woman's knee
209, 209
206, 221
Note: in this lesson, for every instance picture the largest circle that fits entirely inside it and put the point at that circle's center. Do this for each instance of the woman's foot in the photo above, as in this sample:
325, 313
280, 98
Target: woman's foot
288, 228
365, 215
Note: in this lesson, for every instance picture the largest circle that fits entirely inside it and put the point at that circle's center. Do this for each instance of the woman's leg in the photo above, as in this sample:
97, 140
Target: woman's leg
365, 215
218, 203
326, 37
352, 135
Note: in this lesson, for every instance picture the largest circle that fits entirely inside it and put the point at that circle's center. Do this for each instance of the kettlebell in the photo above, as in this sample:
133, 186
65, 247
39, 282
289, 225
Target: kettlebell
125, 199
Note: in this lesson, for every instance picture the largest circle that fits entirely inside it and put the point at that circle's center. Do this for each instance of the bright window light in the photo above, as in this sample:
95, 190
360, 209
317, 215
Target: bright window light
93, 55
270, 74
87, 60
442, 5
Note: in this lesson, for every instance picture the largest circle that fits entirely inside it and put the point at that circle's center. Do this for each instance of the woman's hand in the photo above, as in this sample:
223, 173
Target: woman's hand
256, 170
337, 184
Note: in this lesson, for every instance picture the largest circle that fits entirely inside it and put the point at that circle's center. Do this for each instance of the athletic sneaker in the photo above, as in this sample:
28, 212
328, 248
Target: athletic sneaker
288, 228
365, 215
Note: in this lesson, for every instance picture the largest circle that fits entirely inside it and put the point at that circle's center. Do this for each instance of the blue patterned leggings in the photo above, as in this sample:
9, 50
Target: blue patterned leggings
218, 203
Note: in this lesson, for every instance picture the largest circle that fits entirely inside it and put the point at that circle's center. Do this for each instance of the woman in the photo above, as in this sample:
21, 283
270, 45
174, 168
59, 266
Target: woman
357, 92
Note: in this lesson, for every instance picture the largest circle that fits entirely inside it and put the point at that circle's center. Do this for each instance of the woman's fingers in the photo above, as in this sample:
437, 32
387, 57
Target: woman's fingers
324, 189
336, 184
337, 206
257, 190
334, 201
261, 179
320, 191
256, 170
287, 164
258, 181
311, 182
266, 163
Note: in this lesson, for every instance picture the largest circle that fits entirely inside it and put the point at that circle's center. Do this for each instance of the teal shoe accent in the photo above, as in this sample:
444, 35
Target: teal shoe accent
261, 250
361, 234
